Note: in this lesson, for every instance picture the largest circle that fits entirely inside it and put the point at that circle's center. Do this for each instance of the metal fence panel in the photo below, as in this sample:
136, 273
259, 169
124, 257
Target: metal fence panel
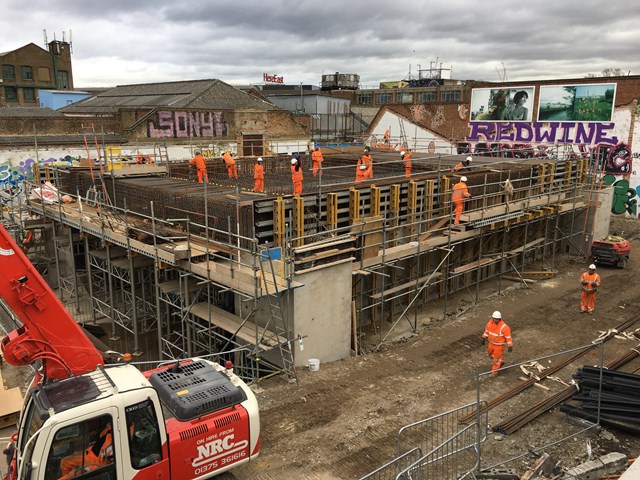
391, 470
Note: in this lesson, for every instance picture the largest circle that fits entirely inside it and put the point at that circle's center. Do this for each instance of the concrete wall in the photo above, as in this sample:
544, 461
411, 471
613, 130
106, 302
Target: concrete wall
322, 313
413, 132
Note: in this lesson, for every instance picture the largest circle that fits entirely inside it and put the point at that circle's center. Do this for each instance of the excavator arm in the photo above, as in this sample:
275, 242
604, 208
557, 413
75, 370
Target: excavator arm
48, 333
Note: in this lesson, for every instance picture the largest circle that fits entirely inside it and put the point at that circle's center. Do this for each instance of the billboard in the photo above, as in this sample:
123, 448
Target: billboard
512, 104
592, 102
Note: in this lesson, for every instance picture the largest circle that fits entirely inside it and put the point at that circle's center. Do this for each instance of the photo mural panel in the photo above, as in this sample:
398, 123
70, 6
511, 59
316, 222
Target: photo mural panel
512, 104
577, 103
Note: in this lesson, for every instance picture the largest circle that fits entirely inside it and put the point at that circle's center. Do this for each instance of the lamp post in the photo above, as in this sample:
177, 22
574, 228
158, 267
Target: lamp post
301, 99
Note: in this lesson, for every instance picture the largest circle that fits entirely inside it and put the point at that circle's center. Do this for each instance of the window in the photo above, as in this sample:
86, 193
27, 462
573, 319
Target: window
44, 74
382, 98
365, 98
29, 95
8, 72
404, 97
84, 448
427, 97
10, 94
450, 96
144, 437
26, 72
63, 79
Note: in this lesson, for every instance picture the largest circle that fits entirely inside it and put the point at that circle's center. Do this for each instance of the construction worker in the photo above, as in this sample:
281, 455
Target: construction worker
258, 176
296, 174
499, 335
201, 166
460, 192
590, 282
96, 455
466, 165
386, 137
365, 159
406, 159
316, 157
232, 170
361, 173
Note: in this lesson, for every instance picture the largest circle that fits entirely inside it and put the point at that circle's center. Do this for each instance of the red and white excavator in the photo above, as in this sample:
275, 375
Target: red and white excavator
191, 419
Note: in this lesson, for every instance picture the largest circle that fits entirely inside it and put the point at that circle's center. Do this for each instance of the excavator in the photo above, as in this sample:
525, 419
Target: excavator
81, 418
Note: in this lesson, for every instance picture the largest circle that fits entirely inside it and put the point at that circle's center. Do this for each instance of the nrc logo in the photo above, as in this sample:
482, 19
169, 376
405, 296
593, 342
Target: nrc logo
216, 449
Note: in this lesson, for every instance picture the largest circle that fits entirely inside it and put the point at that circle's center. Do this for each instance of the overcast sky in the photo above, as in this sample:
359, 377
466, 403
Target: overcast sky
118, 42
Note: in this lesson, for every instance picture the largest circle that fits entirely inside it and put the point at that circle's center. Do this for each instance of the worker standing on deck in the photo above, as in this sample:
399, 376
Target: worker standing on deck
386, 137
590, 282
499, 335
460, 192
232, 170
406, 159
365, 159
296, 174
460, 165
201, 166
316, 157
258, 176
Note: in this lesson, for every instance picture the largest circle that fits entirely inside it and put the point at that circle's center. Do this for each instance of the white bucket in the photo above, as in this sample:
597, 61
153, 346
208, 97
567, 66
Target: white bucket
314, 364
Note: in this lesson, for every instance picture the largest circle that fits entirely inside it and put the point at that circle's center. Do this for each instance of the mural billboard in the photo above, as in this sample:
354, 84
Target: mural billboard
502, 104
578, 103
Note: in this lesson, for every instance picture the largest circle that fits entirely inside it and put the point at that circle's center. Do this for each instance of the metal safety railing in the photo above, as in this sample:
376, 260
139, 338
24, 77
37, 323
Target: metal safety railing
391, 470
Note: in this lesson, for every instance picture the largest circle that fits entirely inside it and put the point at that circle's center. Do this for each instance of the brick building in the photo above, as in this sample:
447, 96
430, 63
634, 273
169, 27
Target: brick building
31, 68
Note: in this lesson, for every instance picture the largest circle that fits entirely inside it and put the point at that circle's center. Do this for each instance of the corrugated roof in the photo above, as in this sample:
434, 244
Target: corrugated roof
194, 94
28, 112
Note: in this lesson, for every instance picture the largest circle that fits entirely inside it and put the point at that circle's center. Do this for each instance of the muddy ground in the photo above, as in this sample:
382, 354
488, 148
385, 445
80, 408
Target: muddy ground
341, 421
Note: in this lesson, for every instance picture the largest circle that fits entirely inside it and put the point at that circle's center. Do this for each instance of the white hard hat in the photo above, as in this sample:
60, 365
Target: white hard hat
402, 152
259, 159
592, 266
463, 179
496, 314
363, 167
469, 159
293, 161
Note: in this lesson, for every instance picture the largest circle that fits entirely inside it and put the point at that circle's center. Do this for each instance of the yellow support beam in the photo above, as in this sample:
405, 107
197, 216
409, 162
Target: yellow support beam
542, 175
551, 175
354, 205
375, 200
278, 222
332, 211
568, 170
394, 213
298, 221
429, 186
444, 191
412, 206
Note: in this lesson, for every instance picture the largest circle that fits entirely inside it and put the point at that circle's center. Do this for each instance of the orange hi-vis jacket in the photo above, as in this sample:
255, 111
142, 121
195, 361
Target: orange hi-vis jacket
460, 192
498, 334
228, 159
366, 160
316, 157
258, 171
199, 162
296, 175
407, 162
588, 280
458, 166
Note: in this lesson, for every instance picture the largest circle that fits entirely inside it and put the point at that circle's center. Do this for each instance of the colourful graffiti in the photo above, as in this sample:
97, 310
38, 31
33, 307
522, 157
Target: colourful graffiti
624, 197
187, 124
537, 132
615, 160
11, 175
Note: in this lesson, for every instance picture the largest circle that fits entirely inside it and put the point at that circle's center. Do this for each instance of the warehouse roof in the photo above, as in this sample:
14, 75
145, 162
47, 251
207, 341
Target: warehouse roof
28, 112
193, 94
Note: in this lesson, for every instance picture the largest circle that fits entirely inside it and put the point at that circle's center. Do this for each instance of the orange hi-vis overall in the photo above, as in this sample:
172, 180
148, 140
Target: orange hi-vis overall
460, 192
408, 166
90, 459
590, 283
366, 160
232, 170
201, 166
499, 335
258, 177
316, 157
296, 178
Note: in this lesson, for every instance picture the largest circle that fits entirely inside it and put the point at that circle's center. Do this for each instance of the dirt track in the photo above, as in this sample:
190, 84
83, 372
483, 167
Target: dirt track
342, 421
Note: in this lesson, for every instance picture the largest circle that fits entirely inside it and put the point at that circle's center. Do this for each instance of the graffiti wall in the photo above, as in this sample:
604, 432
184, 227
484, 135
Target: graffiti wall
177, 124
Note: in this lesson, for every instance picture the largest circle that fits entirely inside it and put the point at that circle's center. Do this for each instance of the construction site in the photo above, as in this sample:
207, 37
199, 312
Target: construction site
164, 267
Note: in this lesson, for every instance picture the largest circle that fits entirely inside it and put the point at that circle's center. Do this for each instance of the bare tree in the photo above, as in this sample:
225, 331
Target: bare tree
609, 72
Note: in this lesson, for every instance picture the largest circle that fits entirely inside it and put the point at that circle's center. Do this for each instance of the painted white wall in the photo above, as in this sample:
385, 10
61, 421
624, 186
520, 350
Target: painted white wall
418, 137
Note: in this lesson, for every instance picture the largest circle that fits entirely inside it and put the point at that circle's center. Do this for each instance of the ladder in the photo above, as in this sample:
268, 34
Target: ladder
404, 143
278, 318
98, 191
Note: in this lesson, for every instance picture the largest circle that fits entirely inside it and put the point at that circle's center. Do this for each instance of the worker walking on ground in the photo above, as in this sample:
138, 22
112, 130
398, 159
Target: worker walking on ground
406, 159
365, 159
232, 170
316, 157
499, 334
590, 282
459, 166
296, 174
258, 176
460, 192
201, 166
